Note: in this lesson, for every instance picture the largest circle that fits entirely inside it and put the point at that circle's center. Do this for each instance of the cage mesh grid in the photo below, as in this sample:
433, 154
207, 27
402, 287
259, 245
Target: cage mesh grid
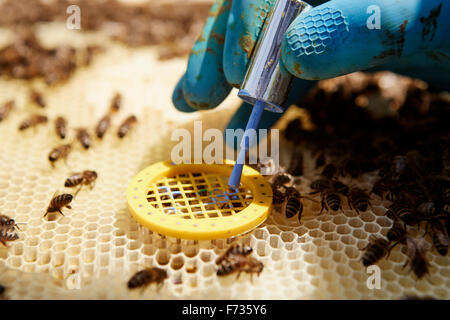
92, 251
198, 195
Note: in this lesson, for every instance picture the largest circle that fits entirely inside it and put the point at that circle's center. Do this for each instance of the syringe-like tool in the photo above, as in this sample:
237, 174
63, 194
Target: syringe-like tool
265, 84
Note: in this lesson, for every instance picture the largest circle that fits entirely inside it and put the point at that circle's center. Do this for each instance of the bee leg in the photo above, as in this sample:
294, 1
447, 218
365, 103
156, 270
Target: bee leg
45, 214
68, 206
78, 190
4, 243
238, 275
59, 210
323, 207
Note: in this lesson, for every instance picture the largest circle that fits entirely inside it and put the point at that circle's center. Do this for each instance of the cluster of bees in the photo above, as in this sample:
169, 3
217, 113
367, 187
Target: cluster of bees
79, 179
331, 190
237, 258
408, 151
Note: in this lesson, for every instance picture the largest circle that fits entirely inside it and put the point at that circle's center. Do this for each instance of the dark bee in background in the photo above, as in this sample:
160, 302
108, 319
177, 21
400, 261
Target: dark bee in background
60, 152
296, 164
237, 258
84, 137
359, 200
103, 126
33, 121
61, 127
402, 211
328, 171
397, 232
375, 250
126, 126
85, 178
416, 250
58, 202
37, 98
439, 237
5, 109
143, 278
116, 103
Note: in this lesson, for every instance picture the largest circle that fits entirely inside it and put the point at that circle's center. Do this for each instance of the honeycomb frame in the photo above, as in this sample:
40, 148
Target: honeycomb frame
91, 252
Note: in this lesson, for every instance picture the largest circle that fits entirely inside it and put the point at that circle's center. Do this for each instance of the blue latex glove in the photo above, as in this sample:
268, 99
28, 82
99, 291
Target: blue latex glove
330, 40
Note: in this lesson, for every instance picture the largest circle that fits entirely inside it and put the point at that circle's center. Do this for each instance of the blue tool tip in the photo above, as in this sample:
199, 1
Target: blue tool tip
255, 117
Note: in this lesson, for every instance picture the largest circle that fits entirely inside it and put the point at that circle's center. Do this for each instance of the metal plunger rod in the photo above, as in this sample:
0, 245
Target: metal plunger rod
265, 85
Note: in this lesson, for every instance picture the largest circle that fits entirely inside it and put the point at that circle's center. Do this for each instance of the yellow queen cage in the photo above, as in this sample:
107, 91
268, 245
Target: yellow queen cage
193, 201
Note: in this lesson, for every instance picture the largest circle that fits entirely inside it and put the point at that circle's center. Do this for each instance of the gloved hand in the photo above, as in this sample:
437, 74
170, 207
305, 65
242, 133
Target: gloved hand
329, 40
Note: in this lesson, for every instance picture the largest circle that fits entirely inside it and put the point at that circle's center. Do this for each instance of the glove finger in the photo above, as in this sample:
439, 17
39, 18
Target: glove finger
239, 120
343, 36
204, 85
244, 26
178, 98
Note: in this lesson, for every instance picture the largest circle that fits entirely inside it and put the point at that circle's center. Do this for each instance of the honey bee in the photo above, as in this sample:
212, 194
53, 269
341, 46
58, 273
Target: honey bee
375, 250
143, 278
296, 165
126, 126
282, 179
58, 202
294, 205
7, 235
416, 250
397, 232
439, 237
116, 102
33, 121
61, 127
330, 199
8, 223
102, 126
37, 98
84, 137
235, 249
237, 258
402, 211
328, 171
60, 152
359, 200
87, 177
6, 109
279, 195
428, 210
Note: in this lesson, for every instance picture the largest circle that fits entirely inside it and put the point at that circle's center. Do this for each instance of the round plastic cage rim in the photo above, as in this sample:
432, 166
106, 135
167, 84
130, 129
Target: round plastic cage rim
199, 229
